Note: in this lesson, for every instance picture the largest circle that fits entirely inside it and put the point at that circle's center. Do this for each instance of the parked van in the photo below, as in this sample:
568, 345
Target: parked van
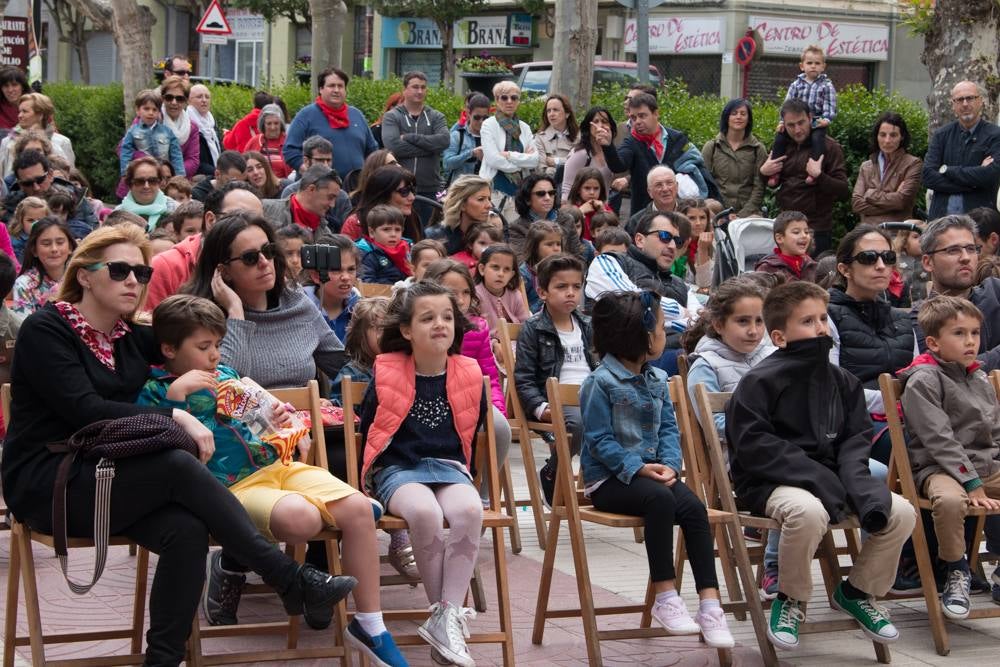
534, 77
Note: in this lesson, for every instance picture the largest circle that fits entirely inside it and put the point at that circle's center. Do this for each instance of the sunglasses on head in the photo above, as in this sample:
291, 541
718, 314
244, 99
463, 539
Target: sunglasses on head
667, 237
251, 257
146, 181
175, 98
404, 191
119, 271
509, 98
36, 181
871, 257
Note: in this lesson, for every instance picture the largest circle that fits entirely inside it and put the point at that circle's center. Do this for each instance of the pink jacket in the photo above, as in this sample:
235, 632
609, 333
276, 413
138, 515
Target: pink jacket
510, 307
476, 345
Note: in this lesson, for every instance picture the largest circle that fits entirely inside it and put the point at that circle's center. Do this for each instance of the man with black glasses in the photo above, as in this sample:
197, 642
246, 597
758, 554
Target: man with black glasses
34, 178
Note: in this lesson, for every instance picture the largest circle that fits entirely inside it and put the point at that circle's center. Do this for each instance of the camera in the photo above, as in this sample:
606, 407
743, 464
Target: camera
321, 258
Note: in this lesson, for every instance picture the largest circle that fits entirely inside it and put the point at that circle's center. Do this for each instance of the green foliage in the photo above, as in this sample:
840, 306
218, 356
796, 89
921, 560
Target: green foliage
918, 15
91, 117
440, 10
297, 11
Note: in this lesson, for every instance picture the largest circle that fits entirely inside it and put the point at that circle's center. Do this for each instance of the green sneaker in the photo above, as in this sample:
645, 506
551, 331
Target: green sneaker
783, 627
873, 618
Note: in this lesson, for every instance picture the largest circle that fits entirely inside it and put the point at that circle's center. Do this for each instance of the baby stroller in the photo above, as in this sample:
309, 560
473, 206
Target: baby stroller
739, 245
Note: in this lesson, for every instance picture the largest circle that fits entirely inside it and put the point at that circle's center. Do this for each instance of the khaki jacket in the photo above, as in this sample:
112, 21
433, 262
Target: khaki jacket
737, 172
953, 420
889, 197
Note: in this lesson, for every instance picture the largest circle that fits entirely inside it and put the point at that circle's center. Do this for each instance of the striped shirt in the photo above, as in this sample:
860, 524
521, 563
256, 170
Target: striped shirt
820, 95
606, 275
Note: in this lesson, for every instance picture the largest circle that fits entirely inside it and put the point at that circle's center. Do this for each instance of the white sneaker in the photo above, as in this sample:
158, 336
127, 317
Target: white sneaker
674, 617
446, 631
714, 628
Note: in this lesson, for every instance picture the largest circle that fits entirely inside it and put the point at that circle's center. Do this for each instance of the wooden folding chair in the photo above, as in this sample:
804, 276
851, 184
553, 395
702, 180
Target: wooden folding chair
302, 398
901, 480
722, 496
21, 568
494, 520
374, 289
570, 505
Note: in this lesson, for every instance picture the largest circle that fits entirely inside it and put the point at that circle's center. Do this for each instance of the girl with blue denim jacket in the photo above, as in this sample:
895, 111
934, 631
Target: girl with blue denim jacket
631, 458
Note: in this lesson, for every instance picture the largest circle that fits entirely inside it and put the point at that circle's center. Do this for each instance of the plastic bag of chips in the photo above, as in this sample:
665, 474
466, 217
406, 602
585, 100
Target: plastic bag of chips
248, 402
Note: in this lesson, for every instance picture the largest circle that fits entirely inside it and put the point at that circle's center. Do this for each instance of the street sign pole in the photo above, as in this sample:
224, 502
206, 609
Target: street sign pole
642, 39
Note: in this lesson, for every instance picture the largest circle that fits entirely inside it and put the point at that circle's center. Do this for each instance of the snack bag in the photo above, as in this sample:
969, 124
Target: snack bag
248, 402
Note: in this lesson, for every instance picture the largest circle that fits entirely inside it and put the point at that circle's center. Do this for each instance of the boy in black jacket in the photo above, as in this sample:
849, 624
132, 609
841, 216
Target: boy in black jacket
801, 438
555, 342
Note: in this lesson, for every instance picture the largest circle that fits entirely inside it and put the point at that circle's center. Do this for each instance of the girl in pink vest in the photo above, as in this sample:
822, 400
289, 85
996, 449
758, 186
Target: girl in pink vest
419, 421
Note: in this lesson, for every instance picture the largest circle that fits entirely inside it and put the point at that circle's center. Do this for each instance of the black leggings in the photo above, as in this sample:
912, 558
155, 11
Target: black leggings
662, 506
170, 503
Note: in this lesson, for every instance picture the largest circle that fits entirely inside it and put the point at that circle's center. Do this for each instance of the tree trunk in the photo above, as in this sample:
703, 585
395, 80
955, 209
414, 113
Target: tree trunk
447, 30
329, 19
131, 26
574, 47
962, 45
79, 39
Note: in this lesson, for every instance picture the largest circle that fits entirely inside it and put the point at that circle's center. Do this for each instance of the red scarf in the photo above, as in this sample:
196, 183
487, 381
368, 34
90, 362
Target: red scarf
301, 216
794, 262
653, 141
896, 284
692, 251
398, 254
337, 118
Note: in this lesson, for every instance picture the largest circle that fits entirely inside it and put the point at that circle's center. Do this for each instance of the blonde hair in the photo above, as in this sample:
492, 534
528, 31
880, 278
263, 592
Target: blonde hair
41, 105
501, 87
458, 192
16, 227
367, 313
91, 251
813, 48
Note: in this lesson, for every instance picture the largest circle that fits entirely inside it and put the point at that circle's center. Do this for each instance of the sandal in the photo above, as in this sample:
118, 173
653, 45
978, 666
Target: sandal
402, 560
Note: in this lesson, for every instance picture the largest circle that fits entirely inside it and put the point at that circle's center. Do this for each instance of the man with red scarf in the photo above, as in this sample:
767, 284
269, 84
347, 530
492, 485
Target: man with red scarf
318, 190
333, 119
649, 145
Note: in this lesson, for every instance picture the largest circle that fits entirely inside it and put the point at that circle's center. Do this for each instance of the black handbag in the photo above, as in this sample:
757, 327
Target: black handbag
106, 441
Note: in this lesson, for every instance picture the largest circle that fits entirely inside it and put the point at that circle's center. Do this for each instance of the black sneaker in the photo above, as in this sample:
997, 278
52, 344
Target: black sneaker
955, 598
547, 476
223, 590
314, 593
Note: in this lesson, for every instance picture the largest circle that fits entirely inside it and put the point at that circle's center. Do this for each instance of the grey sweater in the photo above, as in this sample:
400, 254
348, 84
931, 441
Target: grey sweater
282, 347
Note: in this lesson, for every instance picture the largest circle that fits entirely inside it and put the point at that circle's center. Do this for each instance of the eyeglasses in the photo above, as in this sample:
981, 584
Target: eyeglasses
175, 98
33, 182
544, 193
251, 257
964, 100
321, 160
146, 182
119, 271
509, 98
404, 192
956, 251
871, 257
667, 237
478, 117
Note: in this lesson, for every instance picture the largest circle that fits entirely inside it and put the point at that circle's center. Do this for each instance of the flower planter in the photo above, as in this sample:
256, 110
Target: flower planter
303, 77
483, 82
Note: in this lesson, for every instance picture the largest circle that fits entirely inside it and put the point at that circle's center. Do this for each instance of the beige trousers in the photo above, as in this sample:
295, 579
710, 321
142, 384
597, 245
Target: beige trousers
804, 522
949, 505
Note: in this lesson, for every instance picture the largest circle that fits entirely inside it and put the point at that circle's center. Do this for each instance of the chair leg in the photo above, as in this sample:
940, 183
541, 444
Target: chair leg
942, 643
31, 595
13, 590
738, 549
729, 573
545, 581
829, 564
478, 594
194, 658
647, 612
640, 536
503, 596
340, 611
680, 556
534, 486
510, 504
139, 601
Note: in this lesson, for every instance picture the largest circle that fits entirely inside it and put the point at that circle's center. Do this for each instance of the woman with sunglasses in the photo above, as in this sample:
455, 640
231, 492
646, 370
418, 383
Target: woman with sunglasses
83, 359
536, 200
145, 198
379, 158
175, 91
390, 185
49, 246
509, 152
467, 203
870, 337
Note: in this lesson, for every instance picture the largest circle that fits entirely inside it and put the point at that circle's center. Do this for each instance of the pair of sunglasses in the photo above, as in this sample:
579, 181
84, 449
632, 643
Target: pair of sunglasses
405, 192
251, 257
36, 181
175, 98
871, 257
119, 271
146, 182
667, 237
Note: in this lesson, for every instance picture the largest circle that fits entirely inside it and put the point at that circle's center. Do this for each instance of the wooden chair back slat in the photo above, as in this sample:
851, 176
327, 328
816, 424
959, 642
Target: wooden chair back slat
308, 398
709, 404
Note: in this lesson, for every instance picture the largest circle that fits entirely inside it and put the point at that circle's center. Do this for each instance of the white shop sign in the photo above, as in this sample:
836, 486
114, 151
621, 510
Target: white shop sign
851, 41
679, 35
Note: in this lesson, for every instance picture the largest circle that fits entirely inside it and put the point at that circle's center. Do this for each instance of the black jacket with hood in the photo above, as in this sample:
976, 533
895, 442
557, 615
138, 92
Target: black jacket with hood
797, 420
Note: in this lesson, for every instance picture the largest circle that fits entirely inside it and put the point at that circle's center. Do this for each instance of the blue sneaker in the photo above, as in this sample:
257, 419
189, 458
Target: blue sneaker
381, 650
377, 509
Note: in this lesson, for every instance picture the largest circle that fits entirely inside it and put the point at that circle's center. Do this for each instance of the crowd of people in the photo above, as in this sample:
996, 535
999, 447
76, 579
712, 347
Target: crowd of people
208, 271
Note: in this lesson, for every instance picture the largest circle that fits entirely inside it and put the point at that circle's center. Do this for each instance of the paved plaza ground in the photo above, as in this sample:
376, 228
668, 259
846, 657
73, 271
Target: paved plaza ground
619, 572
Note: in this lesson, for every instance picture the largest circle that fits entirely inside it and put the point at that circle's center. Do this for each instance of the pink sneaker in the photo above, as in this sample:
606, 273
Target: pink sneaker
674, 617
714, 628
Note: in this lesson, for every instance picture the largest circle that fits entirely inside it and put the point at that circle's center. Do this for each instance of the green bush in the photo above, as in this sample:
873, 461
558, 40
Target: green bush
91, 116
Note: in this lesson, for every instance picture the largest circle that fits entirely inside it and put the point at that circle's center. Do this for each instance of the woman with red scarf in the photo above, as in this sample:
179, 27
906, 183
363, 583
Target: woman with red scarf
271, 138
390, 185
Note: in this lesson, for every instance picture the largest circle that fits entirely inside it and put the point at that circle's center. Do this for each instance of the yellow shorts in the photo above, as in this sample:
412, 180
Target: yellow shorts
261, 491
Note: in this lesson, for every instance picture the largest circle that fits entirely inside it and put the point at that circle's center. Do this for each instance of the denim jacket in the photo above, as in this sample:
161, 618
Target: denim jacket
628, 421
156, 141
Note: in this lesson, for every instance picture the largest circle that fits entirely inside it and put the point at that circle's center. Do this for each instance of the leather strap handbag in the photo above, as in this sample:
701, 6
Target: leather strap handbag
106, 441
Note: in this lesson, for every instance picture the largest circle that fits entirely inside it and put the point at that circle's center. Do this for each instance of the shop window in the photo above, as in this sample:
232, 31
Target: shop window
702, 74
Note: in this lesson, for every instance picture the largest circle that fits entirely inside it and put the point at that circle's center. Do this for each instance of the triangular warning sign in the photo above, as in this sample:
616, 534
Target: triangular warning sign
214, 21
